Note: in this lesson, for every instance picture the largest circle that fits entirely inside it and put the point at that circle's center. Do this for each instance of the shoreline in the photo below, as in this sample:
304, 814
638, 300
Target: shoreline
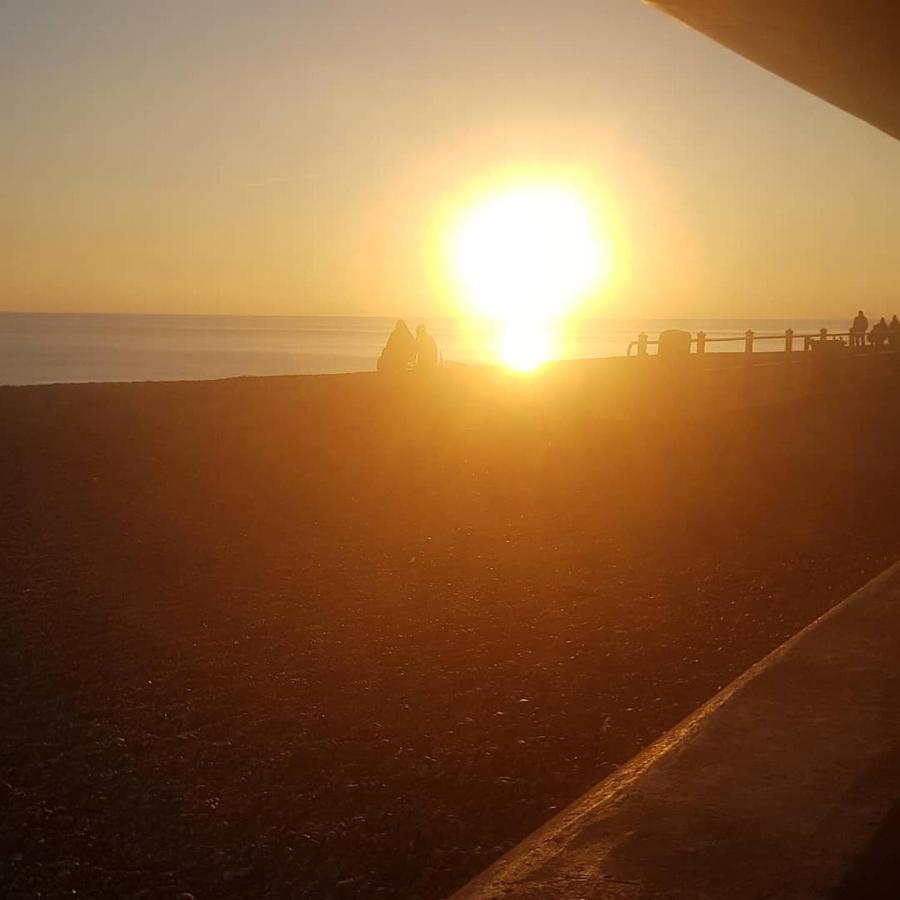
726, 359
71, 349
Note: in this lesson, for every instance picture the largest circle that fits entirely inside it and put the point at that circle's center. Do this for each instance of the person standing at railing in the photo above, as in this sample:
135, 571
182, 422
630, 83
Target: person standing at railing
894, 333
858, 330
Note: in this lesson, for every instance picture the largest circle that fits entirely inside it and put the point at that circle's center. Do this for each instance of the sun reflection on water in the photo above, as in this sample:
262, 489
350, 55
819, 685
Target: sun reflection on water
525, 344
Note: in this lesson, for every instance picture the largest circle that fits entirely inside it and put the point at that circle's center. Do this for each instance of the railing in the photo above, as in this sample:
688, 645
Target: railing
856, 340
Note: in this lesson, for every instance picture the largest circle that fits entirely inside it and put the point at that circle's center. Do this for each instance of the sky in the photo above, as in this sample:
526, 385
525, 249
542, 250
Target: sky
302, 158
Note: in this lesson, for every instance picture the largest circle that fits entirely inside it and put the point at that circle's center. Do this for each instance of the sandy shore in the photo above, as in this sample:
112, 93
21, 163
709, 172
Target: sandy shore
348, 636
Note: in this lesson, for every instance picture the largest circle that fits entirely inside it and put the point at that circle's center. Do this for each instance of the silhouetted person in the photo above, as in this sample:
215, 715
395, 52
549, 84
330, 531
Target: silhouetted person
426, 350
879, 333
894, 329
400, 350
858, 330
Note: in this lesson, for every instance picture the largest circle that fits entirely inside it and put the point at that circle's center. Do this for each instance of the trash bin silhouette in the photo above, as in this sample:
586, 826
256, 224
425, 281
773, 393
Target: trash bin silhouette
674, 344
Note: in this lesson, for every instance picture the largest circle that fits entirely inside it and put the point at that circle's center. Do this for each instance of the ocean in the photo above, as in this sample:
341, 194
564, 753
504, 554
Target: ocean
49, 348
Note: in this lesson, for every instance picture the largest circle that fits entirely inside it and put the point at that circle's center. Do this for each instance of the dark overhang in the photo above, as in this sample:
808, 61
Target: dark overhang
845, 51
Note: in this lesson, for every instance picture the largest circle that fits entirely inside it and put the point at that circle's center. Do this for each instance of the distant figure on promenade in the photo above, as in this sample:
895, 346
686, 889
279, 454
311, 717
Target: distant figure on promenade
400, 350
858, 330
426, 350
879, 333
894, 329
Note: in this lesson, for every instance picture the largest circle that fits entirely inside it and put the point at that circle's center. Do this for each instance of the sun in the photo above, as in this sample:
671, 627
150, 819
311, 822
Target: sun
524, 257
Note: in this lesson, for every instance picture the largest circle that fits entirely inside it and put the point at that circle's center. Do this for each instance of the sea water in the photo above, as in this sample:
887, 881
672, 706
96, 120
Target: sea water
47, 348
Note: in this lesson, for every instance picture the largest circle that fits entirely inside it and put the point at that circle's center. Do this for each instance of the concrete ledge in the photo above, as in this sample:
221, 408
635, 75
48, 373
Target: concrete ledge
784, 785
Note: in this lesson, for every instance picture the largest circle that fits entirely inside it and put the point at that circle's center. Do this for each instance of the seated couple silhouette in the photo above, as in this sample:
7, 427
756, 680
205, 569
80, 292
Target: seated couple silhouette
405, 351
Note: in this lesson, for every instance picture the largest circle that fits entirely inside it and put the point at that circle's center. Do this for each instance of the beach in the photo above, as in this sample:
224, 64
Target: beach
355, 636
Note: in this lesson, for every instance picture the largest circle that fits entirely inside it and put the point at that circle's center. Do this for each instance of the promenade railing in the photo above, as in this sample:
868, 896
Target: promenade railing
790, 341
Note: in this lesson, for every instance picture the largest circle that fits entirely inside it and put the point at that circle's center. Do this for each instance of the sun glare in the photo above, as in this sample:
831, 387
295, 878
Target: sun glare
525, 257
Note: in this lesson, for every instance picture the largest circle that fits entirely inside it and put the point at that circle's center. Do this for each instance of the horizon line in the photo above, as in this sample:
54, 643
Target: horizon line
462, 317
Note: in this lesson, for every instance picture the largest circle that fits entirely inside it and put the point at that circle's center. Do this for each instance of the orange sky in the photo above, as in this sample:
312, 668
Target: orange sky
286, 158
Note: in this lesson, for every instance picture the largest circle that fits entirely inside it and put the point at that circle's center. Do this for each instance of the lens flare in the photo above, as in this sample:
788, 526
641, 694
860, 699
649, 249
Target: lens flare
525, 257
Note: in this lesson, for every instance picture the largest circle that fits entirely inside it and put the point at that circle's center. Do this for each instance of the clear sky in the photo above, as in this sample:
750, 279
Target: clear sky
297, 157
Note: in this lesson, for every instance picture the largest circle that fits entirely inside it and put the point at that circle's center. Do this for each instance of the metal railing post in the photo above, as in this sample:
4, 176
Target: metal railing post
701, 342
748, 341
